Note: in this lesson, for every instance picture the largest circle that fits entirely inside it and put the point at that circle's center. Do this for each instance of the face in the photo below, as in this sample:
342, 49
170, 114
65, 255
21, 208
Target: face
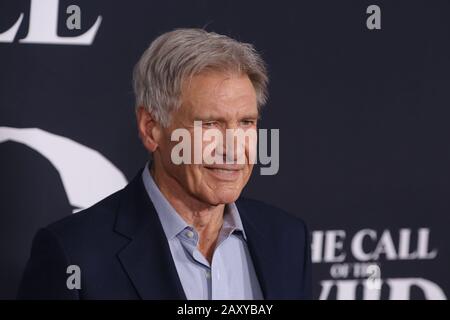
221, 101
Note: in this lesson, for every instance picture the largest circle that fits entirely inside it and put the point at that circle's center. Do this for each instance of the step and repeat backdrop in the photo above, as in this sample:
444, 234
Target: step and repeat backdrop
359, 90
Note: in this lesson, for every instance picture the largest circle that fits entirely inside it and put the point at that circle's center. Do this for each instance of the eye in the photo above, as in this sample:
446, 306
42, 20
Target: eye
208, 124
248, 123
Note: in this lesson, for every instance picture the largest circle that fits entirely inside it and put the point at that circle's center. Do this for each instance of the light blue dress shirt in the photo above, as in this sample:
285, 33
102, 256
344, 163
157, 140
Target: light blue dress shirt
231, 274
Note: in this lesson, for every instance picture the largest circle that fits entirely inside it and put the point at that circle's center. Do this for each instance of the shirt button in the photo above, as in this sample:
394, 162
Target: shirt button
208, 274
190, 234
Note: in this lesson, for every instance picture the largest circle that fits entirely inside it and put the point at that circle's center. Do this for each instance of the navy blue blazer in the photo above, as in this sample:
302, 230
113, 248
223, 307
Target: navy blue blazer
122, 252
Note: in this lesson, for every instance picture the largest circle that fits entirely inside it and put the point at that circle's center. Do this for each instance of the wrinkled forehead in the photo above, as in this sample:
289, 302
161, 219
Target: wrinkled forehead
219, 94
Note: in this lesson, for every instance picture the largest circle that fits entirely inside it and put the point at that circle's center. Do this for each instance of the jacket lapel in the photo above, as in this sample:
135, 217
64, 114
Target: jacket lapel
262, 252
146, 259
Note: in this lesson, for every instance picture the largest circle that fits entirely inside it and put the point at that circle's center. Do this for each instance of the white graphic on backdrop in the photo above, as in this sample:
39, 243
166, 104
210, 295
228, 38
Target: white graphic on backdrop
43, 26
87, 176
357, 265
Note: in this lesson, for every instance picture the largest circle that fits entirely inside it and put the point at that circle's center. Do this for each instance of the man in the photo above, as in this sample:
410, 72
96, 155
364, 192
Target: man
181, 230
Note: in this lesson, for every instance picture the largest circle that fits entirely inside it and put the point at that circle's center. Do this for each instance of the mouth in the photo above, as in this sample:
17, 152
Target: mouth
225, 172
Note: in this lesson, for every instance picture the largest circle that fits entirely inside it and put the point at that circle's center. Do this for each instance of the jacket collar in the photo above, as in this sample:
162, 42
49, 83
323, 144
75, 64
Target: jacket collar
137, 220
262, 250
141, 258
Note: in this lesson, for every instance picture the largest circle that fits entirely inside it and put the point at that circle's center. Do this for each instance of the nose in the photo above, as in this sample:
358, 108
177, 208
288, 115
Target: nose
232, 148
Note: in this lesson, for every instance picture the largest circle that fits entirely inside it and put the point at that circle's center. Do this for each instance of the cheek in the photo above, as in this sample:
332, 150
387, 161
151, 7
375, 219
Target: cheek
251, 147
194, 177
248, 171
165, 147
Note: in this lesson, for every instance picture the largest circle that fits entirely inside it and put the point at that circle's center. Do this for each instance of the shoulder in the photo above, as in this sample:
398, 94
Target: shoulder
85, 239
88, 229
101, 213
269, 218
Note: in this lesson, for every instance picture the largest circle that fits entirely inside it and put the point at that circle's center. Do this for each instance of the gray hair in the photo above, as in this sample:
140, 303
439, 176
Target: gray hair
178, 55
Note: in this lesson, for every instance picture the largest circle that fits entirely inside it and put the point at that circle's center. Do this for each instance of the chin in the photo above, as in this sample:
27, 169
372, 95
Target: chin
224, 196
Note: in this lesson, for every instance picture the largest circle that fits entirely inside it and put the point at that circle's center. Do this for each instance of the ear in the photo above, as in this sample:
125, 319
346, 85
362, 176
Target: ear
149, 129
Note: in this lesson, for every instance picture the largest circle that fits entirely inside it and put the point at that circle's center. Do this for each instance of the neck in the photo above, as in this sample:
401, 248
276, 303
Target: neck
206, 219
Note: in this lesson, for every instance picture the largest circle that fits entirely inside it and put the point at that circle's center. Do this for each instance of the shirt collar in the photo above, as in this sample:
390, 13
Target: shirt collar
232, 219
172, 222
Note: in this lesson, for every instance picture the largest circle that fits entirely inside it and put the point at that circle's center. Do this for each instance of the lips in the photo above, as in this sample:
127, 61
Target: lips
228, 167
225, 172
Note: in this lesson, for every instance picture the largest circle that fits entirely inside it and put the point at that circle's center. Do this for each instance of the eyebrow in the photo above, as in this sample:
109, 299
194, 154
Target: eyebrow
220, 118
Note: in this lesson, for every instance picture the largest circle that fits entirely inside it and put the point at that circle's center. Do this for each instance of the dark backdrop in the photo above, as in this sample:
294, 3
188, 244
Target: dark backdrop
363, 118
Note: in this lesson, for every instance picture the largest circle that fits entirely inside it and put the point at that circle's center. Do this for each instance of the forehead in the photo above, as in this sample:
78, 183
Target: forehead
218, 92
